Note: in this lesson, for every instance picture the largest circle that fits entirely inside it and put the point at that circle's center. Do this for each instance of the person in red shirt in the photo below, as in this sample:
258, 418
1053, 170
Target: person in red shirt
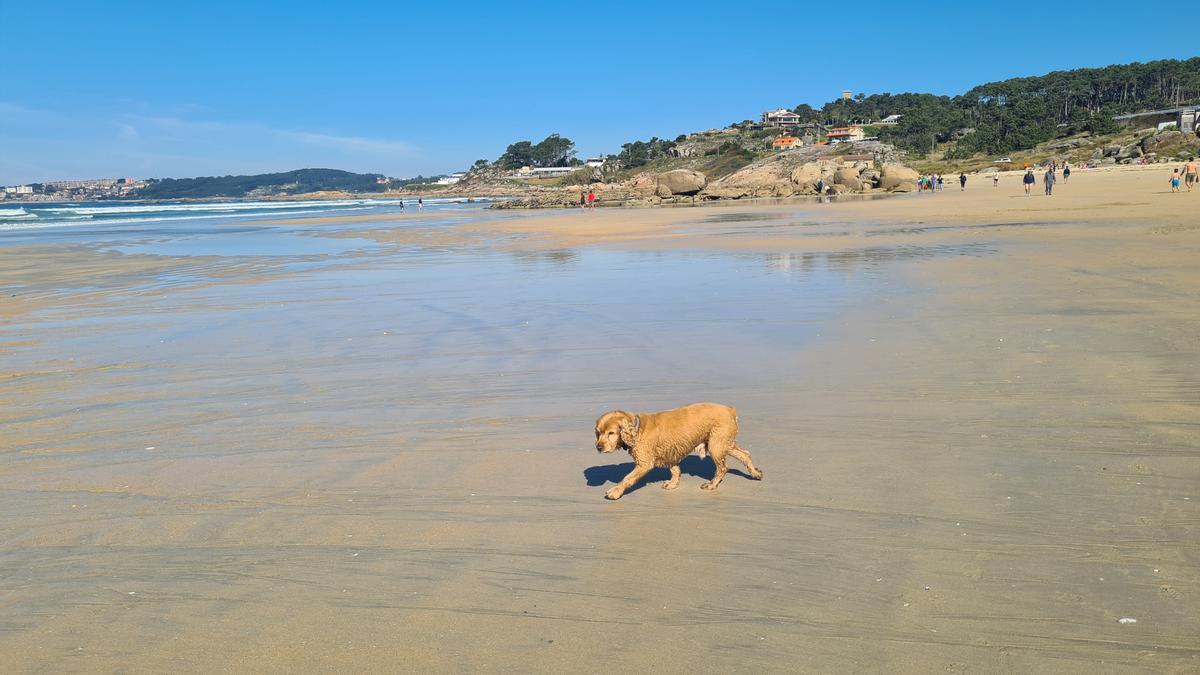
591, 199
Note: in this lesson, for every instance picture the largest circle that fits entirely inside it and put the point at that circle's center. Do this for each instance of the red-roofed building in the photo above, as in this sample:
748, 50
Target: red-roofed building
786, 143
846, 134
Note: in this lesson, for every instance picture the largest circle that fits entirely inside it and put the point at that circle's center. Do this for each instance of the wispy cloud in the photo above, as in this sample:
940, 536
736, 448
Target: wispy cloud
348, 143
341, 143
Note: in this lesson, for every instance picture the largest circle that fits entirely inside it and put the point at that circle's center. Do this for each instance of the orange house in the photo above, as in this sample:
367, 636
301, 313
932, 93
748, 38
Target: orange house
845, 134
786, 143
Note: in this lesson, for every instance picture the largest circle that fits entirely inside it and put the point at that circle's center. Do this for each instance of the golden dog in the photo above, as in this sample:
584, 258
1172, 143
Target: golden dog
663, 439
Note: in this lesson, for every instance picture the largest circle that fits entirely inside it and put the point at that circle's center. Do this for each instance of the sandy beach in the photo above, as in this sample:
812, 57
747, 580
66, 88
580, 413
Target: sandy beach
366, 444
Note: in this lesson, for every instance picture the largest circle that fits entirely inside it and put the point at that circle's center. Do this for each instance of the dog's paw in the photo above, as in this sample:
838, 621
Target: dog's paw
756, 474
614, 493
670, 486
708, 486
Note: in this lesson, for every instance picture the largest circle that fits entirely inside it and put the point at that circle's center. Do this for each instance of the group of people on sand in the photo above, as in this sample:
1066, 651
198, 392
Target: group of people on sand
934, 182
1049, 178
587, 200
1188, 176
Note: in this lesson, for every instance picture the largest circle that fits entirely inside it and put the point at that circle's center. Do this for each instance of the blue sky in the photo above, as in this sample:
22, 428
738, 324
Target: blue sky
158, 89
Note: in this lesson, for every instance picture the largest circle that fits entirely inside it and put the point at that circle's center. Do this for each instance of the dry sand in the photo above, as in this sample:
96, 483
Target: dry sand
977, 413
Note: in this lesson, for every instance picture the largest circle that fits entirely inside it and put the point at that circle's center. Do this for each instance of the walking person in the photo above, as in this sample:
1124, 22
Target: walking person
1175, 180
1189, 174
962, 181
996, 180
939, 182
1066, 171
1029, 180
1048, 180
420, 204
591, 199
582, 200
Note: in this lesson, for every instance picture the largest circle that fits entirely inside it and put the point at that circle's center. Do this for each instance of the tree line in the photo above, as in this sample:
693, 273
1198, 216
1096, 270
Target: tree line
1019, 113
554, 150
295, 182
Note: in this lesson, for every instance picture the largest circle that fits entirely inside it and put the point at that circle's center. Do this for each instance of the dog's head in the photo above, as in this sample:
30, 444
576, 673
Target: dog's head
615, 430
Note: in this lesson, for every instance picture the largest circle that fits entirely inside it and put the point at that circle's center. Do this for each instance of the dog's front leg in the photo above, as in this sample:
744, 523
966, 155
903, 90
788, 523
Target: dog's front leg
639, 471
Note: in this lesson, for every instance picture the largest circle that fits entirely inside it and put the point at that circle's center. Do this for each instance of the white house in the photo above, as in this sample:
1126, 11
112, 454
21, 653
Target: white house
594, 162
890, 120
451, 179
552, 171
780, 118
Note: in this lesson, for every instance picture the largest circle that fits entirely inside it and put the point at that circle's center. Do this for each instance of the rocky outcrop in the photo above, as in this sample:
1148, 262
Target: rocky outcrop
785, 174
897, 178
1162, 139
757, 180
680, 182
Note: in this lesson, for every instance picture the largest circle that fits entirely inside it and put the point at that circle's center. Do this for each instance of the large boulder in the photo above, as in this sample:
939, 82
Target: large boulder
723, 192
898, 178
848, 176
805, 177
1169, 143
1161, 140
758, 180
644, 181
681, 182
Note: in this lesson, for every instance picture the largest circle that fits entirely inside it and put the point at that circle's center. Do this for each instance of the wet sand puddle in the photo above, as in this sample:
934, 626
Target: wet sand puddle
385, 460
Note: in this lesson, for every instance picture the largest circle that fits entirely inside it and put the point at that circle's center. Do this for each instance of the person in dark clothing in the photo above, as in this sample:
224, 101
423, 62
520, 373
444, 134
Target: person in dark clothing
962, 181
1029, 180
1048, 180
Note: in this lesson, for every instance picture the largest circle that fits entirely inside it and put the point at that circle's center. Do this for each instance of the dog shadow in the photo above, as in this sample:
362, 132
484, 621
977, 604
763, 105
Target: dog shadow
690, 466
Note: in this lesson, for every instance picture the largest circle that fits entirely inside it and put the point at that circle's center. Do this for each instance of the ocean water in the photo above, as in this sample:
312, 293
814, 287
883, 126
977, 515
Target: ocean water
26, 216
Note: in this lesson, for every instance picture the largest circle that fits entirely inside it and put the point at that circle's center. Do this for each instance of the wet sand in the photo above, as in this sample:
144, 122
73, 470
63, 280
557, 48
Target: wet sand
977, 415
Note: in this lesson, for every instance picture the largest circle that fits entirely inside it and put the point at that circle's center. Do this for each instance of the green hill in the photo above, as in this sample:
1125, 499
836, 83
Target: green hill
261, 185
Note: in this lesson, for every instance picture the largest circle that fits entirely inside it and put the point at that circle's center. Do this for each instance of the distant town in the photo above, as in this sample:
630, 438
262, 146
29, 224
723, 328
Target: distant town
73, 190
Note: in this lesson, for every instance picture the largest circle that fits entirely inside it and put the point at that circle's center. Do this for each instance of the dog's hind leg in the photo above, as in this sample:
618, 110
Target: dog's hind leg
744, 457
674, 482
718, 476
718, 445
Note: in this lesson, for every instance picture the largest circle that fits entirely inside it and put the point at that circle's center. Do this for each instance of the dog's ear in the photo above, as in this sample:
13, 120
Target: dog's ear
627, 427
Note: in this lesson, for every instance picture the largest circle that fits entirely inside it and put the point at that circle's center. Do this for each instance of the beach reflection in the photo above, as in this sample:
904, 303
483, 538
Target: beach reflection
376, 449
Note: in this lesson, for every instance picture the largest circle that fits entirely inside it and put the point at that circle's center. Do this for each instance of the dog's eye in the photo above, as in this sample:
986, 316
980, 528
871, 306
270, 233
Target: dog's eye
612, 433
